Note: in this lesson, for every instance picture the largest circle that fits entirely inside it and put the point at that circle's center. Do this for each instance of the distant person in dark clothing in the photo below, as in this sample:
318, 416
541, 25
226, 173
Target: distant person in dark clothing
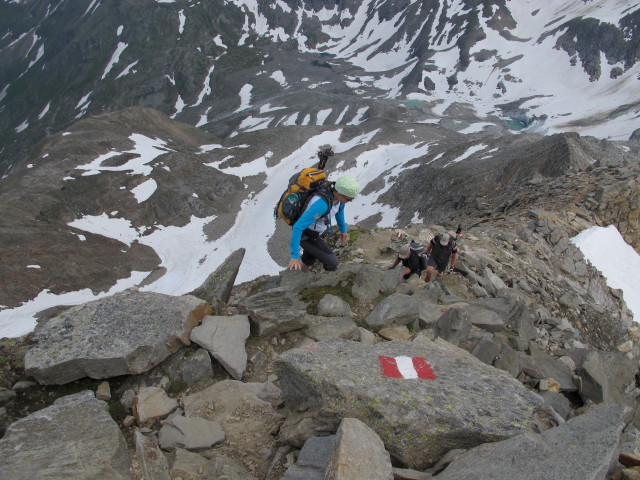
410, 262
441, 249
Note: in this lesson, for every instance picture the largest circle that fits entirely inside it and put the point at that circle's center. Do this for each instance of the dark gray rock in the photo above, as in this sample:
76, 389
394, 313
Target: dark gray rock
509, 361
127, 333
582, 448
552, 368
368, 284
5, 421
23, 386
7, 397
194, 369
191, 365
275, 311
486, 351
454, 325
524, 323
485, 318
312, 460
75, 438
217, 287
559, 402
608, 377
397, 308
467, 404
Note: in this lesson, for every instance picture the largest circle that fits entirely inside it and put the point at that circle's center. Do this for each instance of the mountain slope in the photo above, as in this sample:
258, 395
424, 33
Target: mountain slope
135, 198
241, 65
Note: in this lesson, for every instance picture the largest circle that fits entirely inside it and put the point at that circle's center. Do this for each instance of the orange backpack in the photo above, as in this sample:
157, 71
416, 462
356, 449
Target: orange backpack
301, 188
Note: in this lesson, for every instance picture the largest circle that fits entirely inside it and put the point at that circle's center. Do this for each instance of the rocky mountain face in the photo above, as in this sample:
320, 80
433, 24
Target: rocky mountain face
100, 167
241, 65
520, 361
144, 145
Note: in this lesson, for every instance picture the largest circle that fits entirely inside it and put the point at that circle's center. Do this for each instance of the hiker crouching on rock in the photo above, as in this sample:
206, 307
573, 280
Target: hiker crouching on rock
440, 249
410, 262
311, 227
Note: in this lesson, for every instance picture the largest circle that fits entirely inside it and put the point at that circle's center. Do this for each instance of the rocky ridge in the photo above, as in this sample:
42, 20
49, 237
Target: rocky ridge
523, 339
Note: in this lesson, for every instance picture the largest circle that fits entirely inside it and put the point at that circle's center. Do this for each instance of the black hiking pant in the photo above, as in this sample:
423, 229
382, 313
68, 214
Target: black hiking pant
314, 248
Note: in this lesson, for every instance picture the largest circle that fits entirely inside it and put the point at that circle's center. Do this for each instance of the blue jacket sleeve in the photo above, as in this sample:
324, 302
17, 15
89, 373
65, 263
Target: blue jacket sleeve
314, 212
340, 219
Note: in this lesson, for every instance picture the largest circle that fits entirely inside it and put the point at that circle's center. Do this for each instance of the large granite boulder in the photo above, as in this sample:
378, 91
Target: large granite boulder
127, 333
421, 408
75, 439
585, 447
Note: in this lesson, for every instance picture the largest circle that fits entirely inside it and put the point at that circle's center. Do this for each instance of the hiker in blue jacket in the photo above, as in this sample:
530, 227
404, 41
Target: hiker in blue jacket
313, 224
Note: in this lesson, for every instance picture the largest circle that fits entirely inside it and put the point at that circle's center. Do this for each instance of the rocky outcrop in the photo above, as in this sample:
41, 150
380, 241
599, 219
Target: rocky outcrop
481, 374
619, 204
74, 438
584, 447
128, 333
462, 403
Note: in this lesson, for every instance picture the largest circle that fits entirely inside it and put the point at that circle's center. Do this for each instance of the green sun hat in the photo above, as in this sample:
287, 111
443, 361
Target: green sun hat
347, 186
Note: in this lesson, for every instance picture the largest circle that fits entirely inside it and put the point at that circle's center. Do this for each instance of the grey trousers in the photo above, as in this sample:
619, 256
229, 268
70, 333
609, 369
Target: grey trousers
314, 248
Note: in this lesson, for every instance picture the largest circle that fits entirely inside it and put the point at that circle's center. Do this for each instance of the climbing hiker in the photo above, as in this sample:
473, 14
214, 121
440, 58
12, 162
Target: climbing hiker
309, 230
441, 248
410, 262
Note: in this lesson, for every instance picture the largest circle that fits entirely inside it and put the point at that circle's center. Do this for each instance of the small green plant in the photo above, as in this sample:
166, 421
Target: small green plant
177, 386
3, 360
117, 410
354, 234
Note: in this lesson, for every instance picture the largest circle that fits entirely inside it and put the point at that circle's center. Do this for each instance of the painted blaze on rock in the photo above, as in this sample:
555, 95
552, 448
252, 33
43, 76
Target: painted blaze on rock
461, 404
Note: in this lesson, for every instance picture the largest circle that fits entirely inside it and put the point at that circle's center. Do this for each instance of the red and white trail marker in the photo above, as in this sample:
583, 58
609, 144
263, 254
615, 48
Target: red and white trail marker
406, 367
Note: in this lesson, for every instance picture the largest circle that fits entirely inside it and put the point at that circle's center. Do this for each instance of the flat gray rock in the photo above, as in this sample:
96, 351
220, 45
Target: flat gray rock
225, 338
189, 433
326, 328
124, 334
581, 449
75, 439
275, 311
418, 417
